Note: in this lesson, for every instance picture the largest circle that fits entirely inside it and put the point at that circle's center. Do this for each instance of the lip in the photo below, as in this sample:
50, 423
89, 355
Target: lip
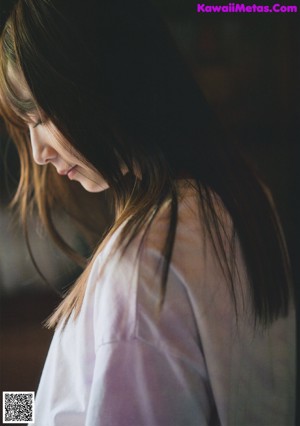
71, 172
65, 172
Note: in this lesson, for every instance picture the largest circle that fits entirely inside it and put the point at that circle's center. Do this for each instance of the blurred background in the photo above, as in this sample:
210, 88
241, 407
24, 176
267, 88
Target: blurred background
248, 68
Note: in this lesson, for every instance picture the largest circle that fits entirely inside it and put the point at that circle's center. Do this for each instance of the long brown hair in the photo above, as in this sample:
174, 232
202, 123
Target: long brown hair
112, 81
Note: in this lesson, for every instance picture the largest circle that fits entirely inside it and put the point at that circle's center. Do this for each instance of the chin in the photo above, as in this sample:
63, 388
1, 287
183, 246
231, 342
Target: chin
94, 187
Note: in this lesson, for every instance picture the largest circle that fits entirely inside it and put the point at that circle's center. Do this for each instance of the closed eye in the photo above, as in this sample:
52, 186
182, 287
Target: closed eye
37, 123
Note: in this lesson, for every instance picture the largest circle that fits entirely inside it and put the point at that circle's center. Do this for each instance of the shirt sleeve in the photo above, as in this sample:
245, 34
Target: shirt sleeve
135, 384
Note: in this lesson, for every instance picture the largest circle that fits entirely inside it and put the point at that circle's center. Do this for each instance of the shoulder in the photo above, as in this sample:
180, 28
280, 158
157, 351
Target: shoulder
126, 288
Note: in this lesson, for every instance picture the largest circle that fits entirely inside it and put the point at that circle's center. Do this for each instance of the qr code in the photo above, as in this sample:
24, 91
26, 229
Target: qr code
18, 407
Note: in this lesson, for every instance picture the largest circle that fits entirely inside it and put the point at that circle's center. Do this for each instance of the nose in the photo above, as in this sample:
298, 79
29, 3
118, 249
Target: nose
42, 151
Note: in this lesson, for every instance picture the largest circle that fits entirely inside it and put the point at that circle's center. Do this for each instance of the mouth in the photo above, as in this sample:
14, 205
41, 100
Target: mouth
65, 172
71, 172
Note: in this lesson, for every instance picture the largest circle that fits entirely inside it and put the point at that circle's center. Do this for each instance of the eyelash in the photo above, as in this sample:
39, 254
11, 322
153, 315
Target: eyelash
37, 123
34, 125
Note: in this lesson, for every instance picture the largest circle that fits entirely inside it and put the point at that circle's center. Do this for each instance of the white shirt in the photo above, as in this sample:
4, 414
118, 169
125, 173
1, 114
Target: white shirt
121, 363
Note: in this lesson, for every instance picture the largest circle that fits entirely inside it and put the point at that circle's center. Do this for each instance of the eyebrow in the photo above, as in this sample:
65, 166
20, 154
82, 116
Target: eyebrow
25, 107
30, 106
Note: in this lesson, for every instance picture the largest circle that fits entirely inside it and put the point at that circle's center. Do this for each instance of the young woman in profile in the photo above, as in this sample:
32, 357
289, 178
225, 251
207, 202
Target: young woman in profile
183, 315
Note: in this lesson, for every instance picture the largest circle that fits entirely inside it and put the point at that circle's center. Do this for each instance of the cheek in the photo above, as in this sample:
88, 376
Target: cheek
66, 153
59, 142
69, 158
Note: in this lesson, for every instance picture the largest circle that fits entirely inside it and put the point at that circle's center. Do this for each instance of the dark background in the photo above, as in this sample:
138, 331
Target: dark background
248, 67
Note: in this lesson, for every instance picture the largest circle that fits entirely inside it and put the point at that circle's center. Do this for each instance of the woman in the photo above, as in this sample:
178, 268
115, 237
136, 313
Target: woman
182, 316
